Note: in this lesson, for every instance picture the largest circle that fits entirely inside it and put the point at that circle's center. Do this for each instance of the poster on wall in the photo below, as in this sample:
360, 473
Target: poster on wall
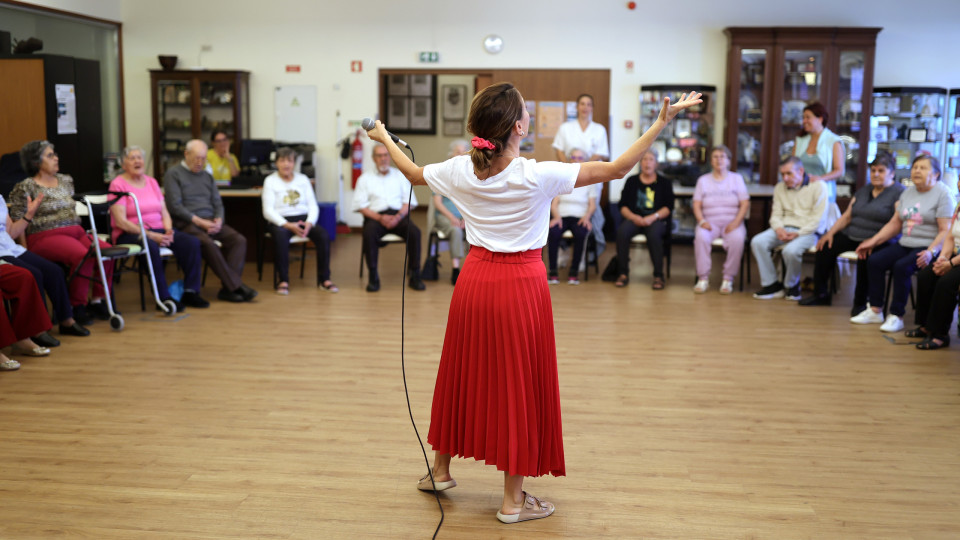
528, 142
550, 114
66, 109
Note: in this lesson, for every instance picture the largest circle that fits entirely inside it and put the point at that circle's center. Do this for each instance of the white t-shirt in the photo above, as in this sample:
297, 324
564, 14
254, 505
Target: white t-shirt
575, 204
294, 198
509, 212
381, 192
592, 141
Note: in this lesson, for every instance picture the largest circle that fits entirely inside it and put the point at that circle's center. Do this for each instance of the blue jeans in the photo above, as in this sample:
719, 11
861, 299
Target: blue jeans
762, 247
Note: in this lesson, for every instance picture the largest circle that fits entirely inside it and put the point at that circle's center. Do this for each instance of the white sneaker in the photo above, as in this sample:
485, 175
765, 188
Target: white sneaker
726, 287
892, 324
701, 286
867, 316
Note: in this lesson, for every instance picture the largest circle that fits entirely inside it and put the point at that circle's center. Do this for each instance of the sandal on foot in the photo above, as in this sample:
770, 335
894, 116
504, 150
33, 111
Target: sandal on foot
658, 284
329, 286
929, 344
622, 281
9, 365
533, 508
918, 332
426, 485
283, 290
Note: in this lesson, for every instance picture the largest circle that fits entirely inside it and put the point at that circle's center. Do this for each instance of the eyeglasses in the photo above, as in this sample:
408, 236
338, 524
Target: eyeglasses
51, 155
221, 140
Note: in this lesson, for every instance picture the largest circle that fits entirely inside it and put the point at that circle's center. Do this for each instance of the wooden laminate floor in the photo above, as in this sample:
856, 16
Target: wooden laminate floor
685, 416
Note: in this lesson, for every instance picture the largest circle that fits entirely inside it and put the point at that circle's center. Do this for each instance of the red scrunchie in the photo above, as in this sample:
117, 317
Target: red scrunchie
482, 144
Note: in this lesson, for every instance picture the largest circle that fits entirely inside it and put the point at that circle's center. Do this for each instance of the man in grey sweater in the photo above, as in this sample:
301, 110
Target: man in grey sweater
799, 216
194, 203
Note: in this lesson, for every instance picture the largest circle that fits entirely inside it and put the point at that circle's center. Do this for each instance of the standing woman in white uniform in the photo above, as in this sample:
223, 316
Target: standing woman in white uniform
582, 133
819, 149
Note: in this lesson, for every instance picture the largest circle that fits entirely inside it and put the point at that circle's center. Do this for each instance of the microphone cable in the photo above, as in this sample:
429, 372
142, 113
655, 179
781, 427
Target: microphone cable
403, 368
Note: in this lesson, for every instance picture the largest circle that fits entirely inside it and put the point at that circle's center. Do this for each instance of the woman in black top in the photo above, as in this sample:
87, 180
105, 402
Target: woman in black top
870, 209
645, 204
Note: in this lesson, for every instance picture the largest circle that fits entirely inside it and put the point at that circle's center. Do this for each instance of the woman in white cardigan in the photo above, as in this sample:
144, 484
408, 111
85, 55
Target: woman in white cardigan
290, 208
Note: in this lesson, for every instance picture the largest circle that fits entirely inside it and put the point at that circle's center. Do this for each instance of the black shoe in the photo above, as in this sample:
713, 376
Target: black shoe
247, 293
416, 283
774, 290
46, 340
793, 293
229, 296
454, 276
80, 315
193, 299
373, 285
817, 300
98, 310
74, 330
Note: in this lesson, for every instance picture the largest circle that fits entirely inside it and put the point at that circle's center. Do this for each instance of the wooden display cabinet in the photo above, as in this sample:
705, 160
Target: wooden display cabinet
774, 72
190, 105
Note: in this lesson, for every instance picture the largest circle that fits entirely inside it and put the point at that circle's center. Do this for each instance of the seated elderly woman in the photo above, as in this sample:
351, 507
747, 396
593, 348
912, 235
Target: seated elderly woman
48, 276
29, 316
870, 209
922, 219
645, 204
720, 204
53, 230
571, 212
290, 207
937, 286
159, 227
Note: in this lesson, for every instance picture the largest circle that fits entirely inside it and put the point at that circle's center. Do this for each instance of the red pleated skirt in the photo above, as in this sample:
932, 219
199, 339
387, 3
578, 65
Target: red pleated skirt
497, 397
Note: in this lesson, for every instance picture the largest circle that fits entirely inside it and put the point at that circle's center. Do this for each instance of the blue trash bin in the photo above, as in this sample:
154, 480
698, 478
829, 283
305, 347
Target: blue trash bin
328, 218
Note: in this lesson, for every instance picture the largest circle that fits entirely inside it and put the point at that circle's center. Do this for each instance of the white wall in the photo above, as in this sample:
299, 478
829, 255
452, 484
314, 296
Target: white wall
675, 43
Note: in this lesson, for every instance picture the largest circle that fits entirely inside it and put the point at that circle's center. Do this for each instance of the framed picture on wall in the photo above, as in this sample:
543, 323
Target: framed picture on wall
453, 128
398, 113
397, 85
421, 113
454, 101
412, 111
421, 85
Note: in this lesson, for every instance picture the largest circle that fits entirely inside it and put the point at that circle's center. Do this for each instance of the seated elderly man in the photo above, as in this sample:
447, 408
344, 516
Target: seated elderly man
381, 197
798, 218
571, 212
194, 203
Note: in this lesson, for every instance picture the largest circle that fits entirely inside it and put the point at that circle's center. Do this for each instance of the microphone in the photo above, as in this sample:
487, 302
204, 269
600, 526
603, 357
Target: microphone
367, 124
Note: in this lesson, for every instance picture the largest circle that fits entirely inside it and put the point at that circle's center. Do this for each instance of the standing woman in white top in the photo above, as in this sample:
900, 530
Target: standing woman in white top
582, 133
497, 396
290, 208
819, 149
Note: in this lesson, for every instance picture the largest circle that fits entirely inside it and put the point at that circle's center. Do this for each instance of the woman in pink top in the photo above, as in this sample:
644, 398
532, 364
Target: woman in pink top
159, 227
720, 204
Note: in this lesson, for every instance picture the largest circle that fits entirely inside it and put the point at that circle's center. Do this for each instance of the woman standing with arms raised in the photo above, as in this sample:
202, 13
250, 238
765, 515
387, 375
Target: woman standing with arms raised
497, 395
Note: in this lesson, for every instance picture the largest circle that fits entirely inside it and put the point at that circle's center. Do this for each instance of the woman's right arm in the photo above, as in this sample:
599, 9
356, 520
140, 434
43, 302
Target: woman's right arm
891, 229
594, 172
409, 169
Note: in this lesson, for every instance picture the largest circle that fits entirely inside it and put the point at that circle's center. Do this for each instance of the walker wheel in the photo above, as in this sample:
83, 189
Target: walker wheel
116, 322
170, 307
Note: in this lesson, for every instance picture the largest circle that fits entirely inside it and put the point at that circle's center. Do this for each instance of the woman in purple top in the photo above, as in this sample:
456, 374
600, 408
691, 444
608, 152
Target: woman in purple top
720, 204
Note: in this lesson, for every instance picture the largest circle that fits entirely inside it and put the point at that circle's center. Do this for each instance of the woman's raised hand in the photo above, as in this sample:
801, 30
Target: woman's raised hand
379, 132
670, 110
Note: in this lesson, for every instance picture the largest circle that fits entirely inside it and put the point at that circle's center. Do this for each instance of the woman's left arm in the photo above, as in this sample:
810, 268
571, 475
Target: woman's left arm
839, 165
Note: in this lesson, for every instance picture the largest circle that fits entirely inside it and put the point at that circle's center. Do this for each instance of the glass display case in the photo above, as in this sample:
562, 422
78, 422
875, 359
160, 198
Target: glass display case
951, 155
683, 147
907, 121
774, 72
190, 105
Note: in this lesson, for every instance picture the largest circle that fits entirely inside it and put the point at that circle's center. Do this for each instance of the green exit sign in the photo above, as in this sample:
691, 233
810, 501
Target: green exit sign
429, 57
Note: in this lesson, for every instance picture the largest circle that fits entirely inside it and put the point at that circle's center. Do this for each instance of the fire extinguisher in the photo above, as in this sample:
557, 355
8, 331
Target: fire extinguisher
356, 156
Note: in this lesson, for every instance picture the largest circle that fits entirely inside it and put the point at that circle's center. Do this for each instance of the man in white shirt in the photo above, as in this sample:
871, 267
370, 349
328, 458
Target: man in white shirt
381, 197
796, 222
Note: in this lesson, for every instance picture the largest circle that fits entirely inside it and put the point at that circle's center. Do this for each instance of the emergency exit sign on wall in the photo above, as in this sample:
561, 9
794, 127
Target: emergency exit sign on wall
429, 57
